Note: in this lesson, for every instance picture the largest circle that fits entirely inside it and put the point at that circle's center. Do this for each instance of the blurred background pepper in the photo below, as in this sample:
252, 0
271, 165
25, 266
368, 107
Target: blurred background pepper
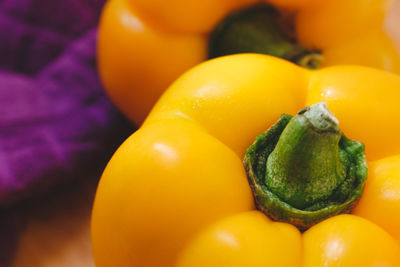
145, 45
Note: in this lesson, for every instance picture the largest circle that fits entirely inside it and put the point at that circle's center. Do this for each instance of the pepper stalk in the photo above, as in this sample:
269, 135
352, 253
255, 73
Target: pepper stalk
260, 29
303, 169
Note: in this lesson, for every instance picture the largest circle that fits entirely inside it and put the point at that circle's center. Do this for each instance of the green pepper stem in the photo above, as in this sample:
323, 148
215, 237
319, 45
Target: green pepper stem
303, 169
311, 60
258, 29
305, 166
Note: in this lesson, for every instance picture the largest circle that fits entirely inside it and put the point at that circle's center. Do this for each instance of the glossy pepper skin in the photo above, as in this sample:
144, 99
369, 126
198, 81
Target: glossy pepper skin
145, 45
176, 192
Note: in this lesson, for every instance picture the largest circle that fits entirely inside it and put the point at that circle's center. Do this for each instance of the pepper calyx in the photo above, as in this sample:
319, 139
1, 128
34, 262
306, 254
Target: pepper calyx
303, 169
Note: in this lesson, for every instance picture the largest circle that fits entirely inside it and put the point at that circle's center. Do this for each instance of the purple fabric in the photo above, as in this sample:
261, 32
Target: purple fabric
56, 123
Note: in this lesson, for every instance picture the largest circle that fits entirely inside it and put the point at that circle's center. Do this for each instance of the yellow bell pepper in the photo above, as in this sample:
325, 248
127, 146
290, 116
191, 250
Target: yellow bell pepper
145, 45
176, 192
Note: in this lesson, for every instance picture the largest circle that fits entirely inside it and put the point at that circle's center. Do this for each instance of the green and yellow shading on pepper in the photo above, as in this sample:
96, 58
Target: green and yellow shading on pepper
197, 184
145, 45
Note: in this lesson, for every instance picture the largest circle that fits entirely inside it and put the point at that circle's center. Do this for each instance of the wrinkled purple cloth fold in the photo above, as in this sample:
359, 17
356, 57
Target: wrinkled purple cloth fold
56, 123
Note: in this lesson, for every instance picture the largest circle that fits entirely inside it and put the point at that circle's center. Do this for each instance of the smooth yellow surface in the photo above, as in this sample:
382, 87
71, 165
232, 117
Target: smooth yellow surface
164, 195
246, 239
365, 104
136, 60
381, 201
236, 100
328, 24
186, 15
145, 45
347, 241
372, 48
165, 183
